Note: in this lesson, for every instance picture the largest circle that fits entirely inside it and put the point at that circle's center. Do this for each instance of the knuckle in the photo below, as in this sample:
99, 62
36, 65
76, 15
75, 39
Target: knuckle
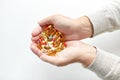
56, 16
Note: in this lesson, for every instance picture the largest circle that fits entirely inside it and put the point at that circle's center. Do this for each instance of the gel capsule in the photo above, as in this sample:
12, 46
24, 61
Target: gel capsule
51, 41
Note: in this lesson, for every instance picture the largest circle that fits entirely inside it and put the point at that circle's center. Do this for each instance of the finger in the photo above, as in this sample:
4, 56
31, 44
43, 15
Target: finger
35, 50
36, 31
55, 60
47, 58
46, 21
34, 39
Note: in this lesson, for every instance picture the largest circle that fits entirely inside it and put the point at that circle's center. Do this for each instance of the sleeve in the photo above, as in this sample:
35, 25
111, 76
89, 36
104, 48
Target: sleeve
106, 65
107, 18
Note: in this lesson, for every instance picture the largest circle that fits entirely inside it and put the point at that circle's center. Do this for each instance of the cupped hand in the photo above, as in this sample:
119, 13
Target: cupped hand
76, 51
73, 29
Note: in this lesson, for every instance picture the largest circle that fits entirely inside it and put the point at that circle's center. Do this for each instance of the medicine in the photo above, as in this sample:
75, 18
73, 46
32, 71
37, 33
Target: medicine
51, 41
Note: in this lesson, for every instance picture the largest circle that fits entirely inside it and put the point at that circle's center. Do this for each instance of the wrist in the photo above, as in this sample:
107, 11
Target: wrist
89, 56
85, 27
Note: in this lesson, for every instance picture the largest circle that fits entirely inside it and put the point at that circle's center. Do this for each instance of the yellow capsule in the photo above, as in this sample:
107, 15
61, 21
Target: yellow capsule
51, 41
39, 46
47, 47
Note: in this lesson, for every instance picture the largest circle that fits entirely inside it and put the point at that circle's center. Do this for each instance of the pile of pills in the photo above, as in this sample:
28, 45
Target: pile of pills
51, 41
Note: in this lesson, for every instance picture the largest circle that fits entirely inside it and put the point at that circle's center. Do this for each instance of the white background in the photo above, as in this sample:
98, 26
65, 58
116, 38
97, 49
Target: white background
19, 17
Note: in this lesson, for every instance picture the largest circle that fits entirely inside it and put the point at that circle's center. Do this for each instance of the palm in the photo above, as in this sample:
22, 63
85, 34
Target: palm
69, 54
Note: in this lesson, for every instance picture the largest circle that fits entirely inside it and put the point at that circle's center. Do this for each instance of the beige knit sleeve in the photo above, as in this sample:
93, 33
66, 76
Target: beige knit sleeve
106, 18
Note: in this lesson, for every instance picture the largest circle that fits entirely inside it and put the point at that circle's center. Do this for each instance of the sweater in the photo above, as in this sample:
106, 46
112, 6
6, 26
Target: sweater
106, 65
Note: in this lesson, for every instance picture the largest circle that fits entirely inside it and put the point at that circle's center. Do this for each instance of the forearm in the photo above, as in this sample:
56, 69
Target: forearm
106, 65
106, 19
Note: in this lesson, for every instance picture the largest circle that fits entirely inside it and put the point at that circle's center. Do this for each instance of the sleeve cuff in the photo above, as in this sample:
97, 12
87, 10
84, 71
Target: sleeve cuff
99, 21
103, 63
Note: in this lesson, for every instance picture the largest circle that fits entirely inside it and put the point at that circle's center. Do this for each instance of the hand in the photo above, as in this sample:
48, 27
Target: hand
73, 29
76, 51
